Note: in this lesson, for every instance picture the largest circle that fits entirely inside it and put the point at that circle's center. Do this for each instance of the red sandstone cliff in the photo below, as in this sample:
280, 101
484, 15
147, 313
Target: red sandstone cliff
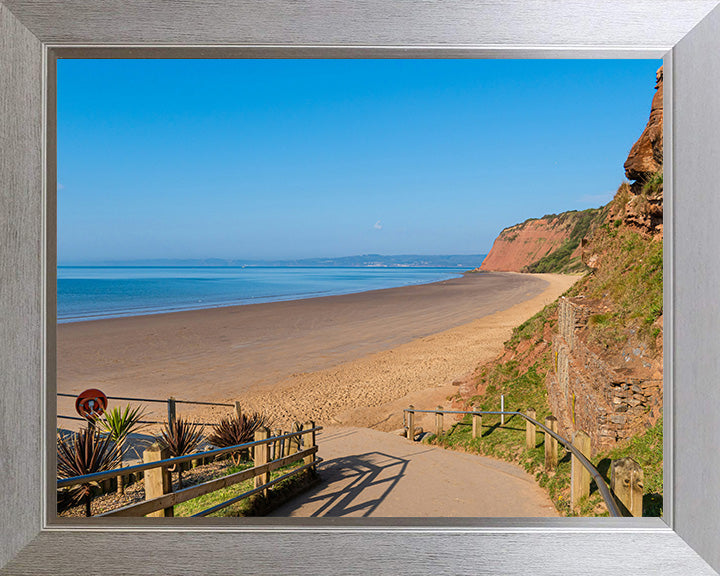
643, 208
548, 244
646, 155
558, 243
522, 244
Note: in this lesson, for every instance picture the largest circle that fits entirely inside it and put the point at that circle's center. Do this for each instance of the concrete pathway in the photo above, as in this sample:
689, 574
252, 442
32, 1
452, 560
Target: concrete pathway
371, 473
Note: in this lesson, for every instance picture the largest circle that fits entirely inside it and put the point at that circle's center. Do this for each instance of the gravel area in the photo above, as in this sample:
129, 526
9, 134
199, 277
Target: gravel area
135, 492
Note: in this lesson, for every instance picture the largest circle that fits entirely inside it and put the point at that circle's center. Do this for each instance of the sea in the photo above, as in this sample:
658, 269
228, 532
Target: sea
98, 292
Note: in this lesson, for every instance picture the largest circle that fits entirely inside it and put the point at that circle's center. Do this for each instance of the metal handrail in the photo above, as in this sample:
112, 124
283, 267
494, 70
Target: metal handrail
154, 400
97, 476
139, 421
612, 506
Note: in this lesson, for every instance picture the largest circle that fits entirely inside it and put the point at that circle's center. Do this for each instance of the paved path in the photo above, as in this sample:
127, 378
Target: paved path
372, 473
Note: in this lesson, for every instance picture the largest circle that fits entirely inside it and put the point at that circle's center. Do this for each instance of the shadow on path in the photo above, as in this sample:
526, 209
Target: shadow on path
354, 485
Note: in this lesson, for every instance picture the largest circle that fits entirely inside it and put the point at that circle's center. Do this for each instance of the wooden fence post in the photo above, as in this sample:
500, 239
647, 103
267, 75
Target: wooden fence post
309, 442
626, 483
579, 475
157, 480
411, 424
476, 425
551, 449
171, 411
439, 422
277, 445
530, 430
238, 410
293, 444
261, 456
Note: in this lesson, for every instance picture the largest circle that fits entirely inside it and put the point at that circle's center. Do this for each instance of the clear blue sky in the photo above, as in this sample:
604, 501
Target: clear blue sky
308, 158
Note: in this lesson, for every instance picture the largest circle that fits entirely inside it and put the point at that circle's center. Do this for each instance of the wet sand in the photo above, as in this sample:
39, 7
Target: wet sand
319, 358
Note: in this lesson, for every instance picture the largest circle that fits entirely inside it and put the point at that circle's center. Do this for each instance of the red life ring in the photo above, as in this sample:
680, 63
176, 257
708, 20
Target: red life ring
91, 403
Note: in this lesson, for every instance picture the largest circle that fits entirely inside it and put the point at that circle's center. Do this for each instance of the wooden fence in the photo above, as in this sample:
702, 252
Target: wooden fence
622, 498
270, 452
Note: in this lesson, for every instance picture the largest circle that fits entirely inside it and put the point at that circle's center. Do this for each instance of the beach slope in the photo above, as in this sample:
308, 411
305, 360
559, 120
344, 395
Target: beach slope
305, 359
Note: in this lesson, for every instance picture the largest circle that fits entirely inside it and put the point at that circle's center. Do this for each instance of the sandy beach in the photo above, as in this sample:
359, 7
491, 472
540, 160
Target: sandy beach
352, 359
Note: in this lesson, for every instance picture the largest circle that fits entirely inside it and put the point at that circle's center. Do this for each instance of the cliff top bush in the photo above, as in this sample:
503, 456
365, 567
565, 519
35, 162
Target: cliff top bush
561, 260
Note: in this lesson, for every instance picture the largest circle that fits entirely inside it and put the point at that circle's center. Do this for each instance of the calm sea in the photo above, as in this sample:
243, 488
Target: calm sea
89, 293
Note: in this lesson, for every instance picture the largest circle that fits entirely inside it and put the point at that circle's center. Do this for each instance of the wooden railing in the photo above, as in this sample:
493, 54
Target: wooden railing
270, 453
582, 468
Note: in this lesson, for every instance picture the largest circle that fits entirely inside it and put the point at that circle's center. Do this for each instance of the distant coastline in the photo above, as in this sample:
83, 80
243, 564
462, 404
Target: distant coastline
468, 261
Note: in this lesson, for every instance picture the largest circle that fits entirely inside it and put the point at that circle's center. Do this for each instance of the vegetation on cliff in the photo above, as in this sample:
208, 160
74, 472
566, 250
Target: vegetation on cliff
547, 244
565, 260
624, 290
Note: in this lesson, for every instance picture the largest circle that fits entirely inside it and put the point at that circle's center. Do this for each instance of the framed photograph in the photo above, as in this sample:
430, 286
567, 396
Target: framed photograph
34, 37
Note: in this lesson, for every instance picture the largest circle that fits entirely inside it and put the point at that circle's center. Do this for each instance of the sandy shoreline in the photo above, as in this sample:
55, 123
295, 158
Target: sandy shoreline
333, 359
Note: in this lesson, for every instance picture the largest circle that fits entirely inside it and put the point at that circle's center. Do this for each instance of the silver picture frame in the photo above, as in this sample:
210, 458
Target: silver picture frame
33, 34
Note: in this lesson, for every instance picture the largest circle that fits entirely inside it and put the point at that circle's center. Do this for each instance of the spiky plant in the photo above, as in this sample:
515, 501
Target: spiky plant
236, 430
181, 437
85, 452
119, 424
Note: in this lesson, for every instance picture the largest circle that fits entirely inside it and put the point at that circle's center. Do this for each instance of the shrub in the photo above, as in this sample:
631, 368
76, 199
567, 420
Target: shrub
181, 437
119, 424
236, 430
82, 453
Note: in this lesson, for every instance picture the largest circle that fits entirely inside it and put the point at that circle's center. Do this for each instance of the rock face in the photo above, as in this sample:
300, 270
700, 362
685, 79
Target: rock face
548, 244
646, 155
642, 208
522, 244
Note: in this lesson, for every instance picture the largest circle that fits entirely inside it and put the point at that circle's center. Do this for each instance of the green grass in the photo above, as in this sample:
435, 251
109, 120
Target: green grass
647, 450
245, 507
653, 185
522, 381
524, 387
533, 328
632, 287
508, 443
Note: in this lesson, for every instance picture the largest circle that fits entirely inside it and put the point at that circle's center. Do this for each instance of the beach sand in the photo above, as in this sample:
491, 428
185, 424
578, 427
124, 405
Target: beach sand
355, 359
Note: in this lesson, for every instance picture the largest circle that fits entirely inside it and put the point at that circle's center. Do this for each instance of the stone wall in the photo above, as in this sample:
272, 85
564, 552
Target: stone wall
586, 393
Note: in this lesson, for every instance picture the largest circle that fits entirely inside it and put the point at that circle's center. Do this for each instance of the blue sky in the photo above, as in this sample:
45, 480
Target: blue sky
309, 158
